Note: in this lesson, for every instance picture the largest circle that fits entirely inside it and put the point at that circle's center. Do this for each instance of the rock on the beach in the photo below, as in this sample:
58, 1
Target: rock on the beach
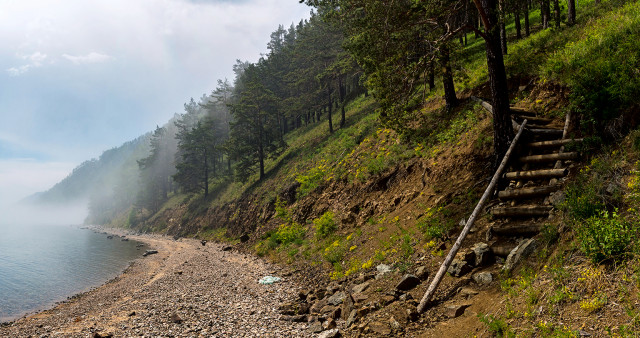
149, 252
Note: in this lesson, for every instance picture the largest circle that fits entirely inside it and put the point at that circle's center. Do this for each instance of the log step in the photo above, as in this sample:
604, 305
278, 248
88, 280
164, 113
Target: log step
522, 112
522, 211
546, 132
536, 174
549, 157
502, 250
554, 143
533, 119
529, 192
517, 230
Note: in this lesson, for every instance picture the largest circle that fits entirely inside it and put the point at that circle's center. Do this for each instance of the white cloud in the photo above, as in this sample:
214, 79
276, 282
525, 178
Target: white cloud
35, 60
92, 57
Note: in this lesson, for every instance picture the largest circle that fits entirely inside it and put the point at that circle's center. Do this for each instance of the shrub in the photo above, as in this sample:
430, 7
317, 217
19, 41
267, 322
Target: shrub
605, 236
290, 233
325, 224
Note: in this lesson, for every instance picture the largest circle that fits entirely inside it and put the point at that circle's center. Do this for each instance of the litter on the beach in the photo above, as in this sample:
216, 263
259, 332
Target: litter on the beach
269, 280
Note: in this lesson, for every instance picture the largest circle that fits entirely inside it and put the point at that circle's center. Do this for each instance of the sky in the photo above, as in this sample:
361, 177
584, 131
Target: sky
78, 77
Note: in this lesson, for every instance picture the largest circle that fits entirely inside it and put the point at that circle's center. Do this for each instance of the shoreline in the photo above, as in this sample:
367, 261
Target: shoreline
186, 288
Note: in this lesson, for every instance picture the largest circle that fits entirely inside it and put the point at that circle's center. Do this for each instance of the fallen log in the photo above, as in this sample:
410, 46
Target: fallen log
533, 119
549, 157
547, 132
456, 246
522, 211
529, 192
535, 174
502, 250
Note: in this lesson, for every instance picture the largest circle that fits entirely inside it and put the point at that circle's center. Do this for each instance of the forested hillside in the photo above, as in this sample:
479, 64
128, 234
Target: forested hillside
354, 141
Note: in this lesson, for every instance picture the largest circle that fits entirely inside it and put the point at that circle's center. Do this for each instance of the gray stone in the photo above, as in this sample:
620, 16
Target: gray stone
316, 327
394, 323
458, 267
557, 198
337, 298
468, 292
347, 305
524, 249
483, 278
383, 269
295, 319
482, 254
408, 282
380, 328
334, 333
361, 287
317, 306
422, 272
353, 317
453, 311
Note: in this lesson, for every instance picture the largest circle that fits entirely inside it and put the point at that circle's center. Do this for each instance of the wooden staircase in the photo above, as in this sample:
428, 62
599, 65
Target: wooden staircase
523, 206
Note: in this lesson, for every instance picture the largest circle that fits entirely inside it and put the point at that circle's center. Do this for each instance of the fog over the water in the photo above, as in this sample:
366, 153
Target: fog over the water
80, 77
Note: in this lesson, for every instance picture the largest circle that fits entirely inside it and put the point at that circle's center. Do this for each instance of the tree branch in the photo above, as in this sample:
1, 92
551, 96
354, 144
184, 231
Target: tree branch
483, 16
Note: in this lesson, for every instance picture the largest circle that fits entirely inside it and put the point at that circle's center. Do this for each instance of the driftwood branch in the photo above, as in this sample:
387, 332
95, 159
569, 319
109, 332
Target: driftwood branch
456, 246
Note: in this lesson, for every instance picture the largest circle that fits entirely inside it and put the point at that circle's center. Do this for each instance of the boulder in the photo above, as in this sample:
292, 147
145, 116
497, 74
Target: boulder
227, 248
408, 282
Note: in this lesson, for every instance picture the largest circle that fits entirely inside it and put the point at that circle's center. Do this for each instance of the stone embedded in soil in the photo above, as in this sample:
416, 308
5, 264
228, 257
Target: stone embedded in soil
360, 297
408, 282
383, 269
335, 333
353, 317
482, 254
337, 298
176, 318
394, 323
458, 267
227, 248
360, 288
380, 328
329, 324
316, 327
347, 305
525, 248
454, 311
483, 278
422, 272
468, 292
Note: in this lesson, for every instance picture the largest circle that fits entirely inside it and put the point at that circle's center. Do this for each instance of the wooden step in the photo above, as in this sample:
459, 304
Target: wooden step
553, 143
502, 250
522, 211
517, 230
549, 157
546, 132
533, 119
536, 174
522, 112
529, 192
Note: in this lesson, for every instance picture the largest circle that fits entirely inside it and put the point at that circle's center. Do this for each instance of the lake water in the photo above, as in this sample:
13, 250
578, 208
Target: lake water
41, 265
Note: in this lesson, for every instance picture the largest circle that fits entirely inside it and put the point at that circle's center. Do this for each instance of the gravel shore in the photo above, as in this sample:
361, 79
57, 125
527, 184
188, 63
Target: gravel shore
185, 290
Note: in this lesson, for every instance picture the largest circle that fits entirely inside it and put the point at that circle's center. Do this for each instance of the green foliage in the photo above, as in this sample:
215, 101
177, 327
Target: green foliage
325, 225
497, 325
604, 236
436, 223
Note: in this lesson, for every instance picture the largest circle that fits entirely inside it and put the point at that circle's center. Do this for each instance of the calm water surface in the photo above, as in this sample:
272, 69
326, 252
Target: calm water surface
41, 265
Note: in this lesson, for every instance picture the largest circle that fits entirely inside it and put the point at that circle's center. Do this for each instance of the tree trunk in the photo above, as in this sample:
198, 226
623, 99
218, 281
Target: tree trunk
527, 29
329, 106
502, 130
545, 13
431, 78
260, 146
571, 12
556, 12
447, 78
206, 174
516, 17
503, 28
342, 93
